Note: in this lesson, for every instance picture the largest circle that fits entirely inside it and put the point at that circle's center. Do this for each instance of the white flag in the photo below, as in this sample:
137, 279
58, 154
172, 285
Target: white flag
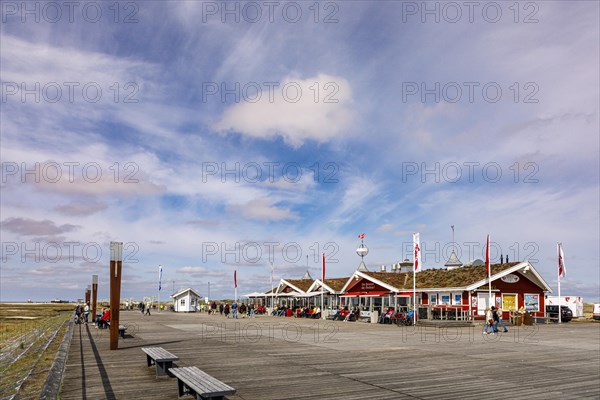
562, 271
417, 252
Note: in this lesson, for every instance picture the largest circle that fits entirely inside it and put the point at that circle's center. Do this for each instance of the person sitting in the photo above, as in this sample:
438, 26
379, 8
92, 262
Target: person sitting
388, 316
102, 322
335, 315
316, 312
352, 316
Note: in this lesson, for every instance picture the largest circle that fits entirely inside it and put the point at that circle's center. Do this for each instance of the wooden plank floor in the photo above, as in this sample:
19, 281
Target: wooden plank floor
287, 358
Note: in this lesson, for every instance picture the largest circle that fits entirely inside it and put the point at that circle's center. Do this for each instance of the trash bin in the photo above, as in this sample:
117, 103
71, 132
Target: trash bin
517, 320
527, 319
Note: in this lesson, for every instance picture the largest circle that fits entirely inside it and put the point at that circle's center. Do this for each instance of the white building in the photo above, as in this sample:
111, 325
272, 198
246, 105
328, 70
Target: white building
185, 300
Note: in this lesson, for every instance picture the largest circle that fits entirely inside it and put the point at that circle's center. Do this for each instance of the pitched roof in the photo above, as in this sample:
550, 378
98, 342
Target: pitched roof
182, 291
439, 278
302, 284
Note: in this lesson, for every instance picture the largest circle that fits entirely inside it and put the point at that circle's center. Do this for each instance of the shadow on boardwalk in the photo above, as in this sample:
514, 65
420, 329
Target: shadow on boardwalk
285, 358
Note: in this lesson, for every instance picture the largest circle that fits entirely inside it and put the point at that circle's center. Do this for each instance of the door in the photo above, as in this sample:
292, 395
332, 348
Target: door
483, 302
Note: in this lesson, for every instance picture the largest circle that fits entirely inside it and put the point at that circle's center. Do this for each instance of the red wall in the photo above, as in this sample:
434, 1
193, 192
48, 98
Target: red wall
521, 287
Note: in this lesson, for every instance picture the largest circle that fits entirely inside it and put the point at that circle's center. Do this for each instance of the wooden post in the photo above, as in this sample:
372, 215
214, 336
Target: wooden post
94, 295
87, 295
116, 260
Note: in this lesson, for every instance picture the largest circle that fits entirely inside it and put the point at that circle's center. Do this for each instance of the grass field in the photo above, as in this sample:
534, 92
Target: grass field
29, 337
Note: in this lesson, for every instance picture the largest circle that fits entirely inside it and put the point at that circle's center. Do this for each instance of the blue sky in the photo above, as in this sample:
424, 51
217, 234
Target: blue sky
206, 144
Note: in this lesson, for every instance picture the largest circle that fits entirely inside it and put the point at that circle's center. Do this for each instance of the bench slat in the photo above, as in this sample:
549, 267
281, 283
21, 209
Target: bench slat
201, 382
159, 354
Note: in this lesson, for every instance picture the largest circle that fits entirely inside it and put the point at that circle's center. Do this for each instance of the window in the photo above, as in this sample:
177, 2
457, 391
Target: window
457, 299
182, 302
433, 299
509, 302
445, 298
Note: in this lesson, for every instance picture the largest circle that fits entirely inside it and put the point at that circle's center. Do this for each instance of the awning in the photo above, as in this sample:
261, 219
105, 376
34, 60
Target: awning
404, 294
374, 294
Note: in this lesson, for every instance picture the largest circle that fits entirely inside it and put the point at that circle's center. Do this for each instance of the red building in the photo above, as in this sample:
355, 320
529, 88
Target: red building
461, 292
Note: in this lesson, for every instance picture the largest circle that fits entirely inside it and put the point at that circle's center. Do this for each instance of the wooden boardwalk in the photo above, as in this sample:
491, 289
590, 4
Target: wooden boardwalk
287, 358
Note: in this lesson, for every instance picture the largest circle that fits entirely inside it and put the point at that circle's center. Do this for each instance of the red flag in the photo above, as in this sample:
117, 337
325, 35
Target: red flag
323, 269
562, 271
417, 251
235, 279
361, 236
487, 256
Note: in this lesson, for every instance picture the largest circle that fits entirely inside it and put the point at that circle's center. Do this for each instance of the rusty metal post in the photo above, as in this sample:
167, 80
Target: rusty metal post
87, 295
116, 260
94, 296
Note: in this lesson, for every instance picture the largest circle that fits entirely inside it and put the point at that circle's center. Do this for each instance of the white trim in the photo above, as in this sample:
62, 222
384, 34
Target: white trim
515, 268
370, 278
182, 291
290, 285
323, 285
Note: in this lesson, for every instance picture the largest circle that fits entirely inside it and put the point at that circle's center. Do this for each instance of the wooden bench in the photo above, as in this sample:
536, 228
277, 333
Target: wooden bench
161, 358
122, 329
191, 380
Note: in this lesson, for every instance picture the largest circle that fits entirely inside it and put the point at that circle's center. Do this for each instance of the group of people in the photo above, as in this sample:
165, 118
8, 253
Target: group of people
343, 314
82, 313
493, 318
309, 312
144, 308
235, 310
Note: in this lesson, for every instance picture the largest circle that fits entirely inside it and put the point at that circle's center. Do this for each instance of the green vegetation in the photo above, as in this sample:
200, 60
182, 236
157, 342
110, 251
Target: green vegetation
29, 338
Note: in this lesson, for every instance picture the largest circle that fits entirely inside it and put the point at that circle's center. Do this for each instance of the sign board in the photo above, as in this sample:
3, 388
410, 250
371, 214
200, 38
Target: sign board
510, 278
365, 314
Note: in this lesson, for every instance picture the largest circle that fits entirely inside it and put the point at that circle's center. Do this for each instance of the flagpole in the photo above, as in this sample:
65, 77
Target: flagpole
489, 271
416, 268
159, 273
272, 299
559, 273
414, 296
322, 284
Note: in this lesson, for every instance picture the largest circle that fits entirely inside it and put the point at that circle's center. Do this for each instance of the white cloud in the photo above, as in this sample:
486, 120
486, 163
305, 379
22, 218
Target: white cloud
263, 209
318, 108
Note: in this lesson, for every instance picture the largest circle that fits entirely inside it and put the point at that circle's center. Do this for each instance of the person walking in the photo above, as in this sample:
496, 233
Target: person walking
495, 318
142, 307
221, 309
234, 310
226, 310
489, 322
86, 312
499, 313
148, 309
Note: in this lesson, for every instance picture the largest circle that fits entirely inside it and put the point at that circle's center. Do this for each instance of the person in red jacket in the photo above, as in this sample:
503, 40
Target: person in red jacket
102, 322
